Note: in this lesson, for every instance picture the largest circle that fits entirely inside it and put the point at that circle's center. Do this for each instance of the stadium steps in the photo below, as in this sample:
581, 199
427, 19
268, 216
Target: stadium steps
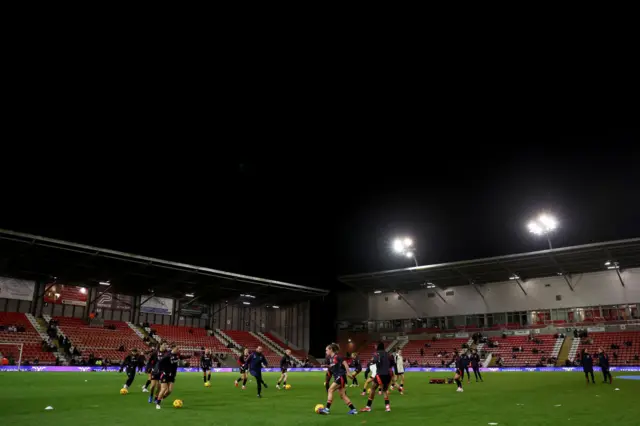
487, 361
270, 344
226, 339
41, 327
557, 346
396, 345
137, 330
565, 350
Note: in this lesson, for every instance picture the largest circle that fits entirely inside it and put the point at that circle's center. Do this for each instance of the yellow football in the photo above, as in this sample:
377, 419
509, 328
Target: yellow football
287, 387
123, 391
177, 403
318, 408
207, 385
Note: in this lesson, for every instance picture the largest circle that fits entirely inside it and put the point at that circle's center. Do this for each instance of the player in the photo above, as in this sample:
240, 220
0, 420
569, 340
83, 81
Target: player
459, 376
254, 364
475, 365
587, 366
141, 362
152, 370
327, 376
371, 371
243, 370
206, 362
466, 361
385, 366
130, 363
357, 369
340, 371
168, 367
399, 370
603, 361
285, 364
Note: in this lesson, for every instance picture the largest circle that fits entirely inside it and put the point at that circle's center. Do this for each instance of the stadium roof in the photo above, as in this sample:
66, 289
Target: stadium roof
563, 261
40, 258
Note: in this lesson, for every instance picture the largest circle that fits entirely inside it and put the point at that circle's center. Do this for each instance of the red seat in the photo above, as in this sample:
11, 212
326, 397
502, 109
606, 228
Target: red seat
189, 338
625, 355
99, 341
30, 338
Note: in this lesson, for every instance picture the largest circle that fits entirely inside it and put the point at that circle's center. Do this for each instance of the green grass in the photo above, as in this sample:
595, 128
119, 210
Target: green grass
86, 399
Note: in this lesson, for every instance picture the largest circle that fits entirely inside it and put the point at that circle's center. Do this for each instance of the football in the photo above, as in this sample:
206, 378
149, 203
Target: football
177, 403
123, 391
287, 387
318, 408
207, 385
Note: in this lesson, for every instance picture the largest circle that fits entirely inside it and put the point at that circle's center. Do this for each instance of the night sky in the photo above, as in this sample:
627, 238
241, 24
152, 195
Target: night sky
324, 206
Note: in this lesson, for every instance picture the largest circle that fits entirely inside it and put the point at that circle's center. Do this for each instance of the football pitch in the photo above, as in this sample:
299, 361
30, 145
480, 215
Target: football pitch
505, 399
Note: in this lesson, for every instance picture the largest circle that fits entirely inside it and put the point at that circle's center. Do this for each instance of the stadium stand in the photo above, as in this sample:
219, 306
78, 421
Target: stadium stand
246, 340
506, 345
431, 348
301, 355
102, 342
190, 340
30, 338
624, 355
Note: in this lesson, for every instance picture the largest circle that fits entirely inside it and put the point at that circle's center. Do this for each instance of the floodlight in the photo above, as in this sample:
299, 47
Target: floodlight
104, 283
607, 263
544, 224
514, 277
408, 242
409, 254
188, 294
246, 303
377, 292
549, 222
276, 307
398, 247
83, 290
534, 228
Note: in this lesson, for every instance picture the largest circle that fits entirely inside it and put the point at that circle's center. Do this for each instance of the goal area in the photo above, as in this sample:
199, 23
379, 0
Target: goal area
12, 350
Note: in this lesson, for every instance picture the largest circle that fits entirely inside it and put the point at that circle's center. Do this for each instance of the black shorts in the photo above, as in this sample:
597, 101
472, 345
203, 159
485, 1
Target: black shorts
475, 367
205, 369
340, 380
383, 382
155, 375
358, 370
167, 378
588, 370
242, 370
283, 370
460, 372
366, 373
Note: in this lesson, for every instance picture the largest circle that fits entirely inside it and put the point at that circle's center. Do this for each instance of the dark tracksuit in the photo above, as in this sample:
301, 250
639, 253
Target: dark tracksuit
254, 364
465, 364
603, 361
357, 367
206, 362
130, 363
587, 366
385, 365
327, 377
475, 365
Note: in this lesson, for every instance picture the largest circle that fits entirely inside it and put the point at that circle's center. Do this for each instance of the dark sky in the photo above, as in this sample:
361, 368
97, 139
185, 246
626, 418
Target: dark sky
325, 206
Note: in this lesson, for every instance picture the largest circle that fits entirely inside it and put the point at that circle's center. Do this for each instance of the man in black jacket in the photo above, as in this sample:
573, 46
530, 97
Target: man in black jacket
475, 365
603, 361
587, 366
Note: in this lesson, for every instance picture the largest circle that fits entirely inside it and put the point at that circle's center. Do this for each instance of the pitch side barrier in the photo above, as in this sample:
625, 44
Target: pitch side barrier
46, 369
